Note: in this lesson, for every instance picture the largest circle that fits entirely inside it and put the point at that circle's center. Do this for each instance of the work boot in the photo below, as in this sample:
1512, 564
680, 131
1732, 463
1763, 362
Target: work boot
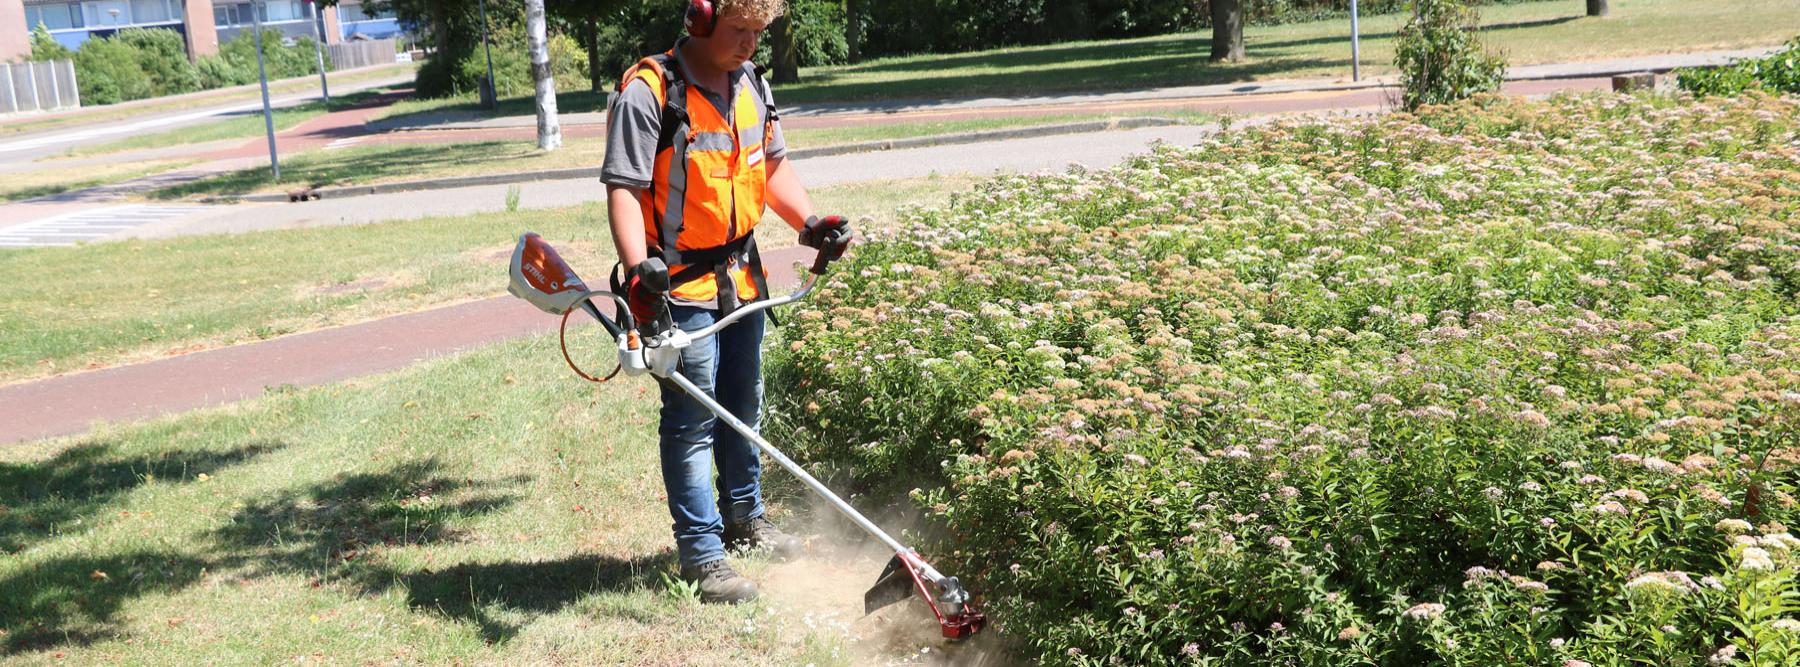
760, 532
719, 583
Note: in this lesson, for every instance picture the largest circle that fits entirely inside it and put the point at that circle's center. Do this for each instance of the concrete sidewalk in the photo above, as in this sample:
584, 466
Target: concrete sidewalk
71, 404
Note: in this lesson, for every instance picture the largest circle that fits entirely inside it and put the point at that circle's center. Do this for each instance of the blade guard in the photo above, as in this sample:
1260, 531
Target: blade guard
541, 277
956, 614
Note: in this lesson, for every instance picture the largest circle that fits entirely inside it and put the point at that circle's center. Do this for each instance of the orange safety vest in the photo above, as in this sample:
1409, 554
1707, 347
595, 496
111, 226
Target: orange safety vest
706, 195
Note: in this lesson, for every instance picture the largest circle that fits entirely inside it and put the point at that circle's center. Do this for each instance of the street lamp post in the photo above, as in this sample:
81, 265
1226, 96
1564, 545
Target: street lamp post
1355, 46
312, 7
488, 96
263, 74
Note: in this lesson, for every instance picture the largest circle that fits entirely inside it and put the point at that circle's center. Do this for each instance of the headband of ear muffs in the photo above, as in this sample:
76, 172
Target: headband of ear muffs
701, 18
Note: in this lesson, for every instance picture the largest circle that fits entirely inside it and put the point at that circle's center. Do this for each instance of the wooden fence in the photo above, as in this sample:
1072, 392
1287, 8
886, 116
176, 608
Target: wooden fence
361, 53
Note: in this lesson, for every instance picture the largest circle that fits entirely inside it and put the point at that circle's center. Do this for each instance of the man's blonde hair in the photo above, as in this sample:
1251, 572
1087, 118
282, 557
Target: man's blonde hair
761, 11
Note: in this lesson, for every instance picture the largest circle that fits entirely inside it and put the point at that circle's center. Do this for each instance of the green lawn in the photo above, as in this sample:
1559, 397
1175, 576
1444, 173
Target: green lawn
390, 163
100, 114
467, 107
52, 180
385, 163
196, 292
240, 126
1536, 32
485, 508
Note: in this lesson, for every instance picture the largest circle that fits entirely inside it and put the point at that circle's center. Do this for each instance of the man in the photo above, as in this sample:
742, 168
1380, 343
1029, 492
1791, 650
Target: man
693, 153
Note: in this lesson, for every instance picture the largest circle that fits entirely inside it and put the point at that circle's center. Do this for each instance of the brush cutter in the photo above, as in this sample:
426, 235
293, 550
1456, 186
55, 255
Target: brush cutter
541, 277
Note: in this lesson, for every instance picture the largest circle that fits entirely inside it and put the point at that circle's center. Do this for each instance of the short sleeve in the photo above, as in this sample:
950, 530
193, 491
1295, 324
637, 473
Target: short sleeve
632, 126
776, 147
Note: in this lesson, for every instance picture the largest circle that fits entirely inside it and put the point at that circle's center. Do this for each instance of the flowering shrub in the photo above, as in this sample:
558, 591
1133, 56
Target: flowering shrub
1505, 383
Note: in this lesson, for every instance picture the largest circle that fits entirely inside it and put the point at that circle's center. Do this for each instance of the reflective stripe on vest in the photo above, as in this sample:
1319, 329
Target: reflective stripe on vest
715, 171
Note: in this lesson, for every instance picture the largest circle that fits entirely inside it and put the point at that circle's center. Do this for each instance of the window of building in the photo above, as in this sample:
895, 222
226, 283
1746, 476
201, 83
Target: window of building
154, 11
357, 11
55, 16
106, 13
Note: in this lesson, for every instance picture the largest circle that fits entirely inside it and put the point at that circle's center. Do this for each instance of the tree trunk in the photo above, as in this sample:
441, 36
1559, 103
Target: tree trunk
538, 42
787, 59
1597, 7
595, 81
853, 29
1228, 31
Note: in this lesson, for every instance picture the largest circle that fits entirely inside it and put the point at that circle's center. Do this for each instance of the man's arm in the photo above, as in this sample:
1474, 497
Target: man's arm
627, 220
786, 196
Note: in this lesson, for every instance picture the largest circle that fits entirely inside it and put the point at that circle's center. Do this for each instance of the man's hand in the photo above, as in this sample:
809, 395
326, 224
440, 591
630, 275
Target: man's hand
830, 234
645, 284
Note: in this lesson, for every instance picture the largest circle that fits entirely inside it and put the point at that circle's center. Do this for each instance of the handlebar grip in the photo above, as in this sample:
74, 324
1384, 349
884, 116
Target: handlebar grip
821, 261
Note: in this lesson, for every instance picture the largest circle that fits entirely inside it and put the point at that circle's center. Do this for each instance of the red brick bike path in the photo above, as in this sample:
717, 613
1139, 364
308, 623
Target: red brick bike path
71, 404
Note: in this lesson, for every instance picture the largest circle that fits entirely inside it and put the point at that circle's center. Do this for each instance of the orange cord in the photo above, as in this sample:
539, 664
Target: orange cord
562, 336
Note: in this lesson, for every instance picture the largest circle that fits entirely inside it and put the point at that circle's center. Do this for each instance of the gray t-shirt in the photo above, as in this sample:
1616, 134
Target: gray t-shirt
635, 120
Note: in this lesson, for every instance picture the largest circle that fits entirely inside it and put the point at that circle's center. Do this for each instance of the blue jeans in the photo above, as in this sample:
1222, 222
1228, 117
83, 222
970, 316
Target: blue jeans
727, 367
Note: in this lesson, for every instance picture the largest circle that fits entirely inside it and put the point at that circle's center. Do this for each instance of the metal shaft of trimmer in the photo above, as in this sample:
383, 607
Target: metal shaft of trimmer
925, 570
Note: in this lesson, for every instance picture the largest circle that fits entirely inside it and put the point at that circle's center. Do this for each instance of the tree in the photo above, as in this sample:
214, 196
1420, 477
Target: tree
1597, 7
538, 43
787, 58
853, 29
1228, 31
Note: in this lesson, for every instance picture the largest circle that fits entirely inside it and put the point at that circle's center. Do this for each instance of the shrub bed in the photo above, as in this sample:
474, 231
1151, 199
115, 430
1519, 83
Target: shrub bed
1779, 72
1503, 383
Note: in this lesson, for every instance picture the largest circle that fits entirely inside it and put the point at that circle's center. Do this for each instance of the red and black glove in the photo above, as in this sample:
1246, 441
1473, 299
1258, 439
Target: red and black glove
646, 287
830, 234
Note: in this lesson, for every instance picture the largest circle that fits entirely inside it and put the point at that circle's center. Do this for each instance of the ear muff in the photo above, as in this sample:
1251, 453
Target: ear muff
701, 18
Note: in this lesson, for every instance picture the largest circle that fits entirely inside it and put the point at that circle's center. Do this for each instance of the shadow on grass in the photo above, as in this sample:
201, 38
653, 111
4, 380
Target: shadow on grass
40, 500
581, 101
1150, 68
74, 601
475, 592
324, 531
326, 169
325, 528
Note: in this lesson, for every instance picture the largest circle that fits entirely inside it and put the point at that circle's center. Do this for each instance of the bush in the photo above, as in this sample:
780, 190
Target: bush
162, 54
1777, 73
107, 72
1508, 383
219, 72
45, 47
279, 61
1439, 57
463, 71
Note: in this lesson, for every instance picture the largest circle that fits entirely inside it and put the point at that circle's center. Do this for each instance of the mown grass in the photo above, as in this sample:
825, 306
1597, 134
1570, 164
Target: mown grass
1537, 32
245, 125
468, 107
386, 163
485, 508
102, 114
23, 185
195, 292
393, 163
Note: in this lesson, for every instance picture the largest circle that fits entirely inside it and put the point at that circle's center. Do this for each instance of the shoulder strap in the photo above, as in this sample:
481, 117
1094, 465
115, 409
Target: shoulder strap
768, 100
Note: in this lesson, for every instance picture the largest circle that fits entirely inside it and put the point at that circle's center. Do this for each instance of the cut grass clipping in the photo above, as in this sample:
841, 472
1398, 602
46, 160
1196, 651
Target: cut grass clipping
1504, 383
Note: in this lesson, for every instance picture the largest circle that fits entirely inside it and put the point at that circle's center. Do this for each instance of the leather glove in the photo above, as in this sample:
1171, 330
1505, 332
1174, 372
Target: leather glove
831, 234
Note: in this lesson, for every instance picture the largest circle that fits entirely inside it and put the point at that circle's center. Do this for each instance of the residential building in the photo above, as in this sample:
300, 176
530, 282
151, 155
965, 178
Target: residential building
203, 23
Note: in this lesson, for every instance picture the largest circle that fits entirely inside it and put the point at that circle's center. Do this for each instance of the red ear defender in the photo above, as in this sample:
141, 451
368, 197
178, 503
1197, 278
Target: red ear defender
701, 18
